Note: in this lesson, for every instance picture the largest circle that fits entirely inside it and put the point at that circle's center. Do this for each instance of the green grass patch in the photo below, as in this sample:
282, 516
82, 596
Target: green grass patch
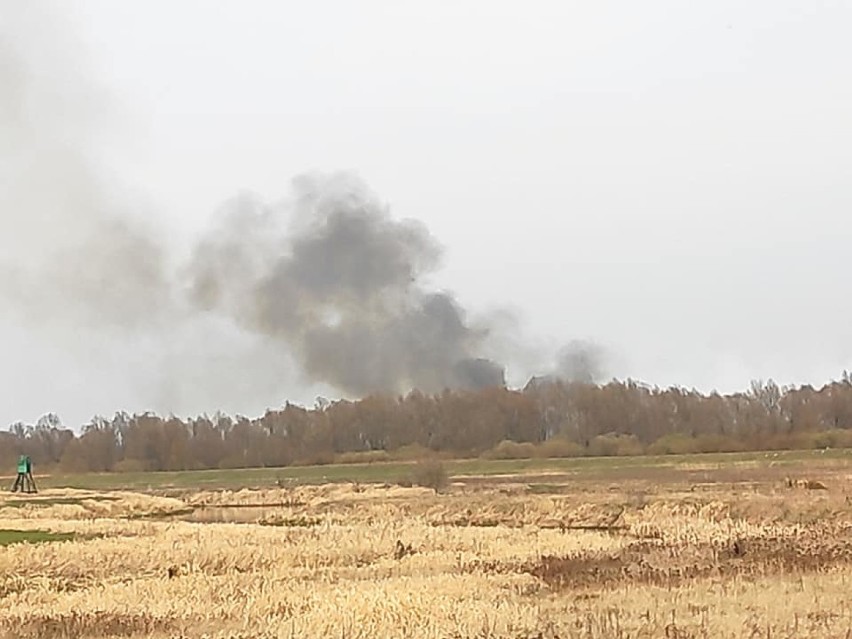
8, 537
390, 472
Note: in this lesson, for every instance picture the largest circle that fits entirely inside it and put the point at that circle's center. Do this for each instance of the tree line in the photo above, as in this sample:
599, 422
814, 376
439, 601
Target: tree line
549, 417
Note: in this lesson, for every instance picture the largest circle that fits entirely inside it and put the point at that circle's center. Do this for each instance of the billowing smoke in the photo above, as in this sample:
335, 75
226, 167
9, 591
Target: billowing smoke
328, 279
326, 285
333, 276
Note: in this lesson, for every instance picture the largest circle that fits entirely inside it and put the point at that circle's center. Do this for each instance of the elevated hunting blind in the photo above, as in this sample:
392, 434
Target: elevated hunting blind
25, 481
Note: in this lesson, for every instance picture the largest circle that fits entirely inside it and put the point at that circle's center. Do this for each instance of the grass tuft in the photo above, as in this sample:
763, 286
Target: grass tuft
9, 537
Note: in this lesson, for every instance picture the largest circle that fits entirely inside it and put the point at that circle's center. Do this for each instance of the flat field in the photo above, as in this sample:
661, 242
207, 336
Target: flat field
675, 547
587, 467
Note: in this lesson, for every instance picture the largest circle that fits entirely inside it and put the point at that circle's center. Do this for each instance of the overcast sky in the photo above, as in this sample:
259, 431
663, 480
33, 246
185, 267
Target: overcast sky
671, 180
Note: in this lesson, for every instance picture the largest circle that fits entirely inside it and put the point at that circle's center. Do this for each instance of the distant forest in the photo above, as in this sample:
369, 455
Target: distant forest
548, 418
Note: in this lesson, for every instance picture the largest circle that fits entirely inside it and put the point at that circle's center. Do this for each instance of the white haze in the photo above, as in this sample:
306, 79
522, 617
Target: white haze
668, 181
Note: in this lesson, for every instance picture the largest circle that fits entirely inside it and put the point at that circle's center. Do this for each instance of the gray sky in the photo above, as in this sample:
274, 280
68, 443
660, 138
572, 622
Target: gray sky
670, 180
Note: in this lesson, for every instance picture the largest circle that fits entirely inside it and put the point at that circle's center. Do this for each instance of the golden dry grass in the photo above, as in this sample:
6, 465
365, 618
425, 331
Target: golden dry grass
635, 559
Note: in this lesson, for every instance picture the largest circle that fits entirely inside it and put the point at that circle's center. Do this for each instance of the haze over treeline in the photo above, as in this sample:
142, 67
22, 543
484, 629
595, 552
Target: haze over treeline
667, 210
548, 418
323, 287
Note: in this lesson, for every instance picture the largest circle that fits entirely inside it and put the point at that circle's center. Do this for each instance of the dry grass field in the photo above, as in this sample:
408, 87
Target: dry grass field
702, 551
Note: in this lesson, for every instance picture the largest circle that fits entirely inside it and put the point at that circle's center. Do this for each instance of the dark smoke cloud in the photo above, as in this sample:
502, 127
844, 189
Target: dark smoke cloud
326, 283
339, 281
328, 280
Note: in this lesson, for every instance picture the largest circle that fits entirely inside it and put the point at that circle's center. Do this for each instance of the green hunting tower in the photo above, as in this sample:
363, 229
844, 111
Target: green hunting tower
25, 481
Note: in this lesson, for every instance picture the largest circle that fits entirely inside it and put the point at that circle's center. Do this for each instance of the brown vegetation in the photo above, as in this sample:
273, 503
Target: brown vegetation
430, 474
545, 420
642, 558
810, 484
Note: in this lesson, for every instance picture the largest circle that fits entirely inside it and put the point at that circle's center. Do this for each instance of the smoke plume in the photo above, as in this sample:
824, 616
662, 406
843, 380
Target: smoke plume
69, 249
328, 278
326, 285
333, 276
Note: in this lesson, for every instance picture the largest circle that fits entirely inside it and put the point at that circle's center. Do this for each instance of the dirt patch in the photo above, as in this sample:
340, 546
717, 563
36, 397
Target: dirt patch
86, 624
656, 562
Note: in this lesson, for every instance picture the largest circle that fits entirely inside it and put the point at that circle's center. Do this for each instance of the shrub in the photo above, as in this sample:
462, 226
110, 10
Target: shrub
719, 444
834, 438
615, 444
674, 444
363, 457
412, 452
510, 450
131, 466
430, 474
805, 440
320, 458
558, 447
